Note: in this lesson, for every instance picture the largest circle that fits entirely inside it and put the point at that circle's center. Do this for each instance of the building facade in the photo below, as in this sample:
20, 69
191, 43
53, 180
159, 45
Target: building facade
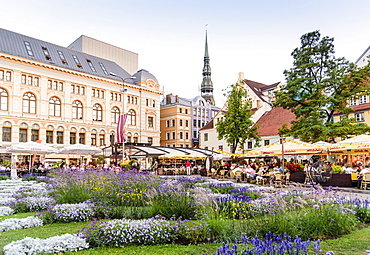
261, 96
62, 96
181, 120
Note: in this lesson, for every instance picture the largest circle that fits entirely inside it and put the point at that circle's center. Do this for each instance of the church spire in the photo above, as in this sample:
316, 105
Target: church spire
206, 88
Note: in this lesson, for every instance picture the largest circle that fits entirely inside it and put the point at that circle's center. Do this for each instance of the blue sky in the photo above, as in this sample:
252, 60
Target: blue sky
254, 37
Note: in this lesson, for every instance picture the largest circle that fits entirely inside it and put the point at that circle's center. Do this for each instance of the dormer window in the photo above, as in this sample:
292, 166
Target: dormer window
91, 65
29, 49
103, 68
46, 53
78, 63
61, 55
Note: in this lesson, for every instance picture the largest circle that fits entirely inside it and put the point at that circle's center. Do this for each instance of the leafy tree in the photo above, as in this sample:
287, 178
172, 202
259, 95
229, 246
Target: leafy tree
236, 126
317, 86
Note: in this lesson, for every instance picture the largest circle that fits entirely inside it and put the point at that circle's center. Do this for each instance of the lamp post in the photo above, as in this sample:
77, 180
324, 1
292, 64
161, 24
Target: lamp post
123, 105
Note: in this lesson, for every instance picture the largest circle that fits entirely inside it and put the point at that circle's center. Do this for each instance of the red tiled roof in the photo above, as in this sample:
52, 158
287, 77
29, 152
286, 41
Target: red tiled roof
259, 87
360, 107
209, 125
271, 121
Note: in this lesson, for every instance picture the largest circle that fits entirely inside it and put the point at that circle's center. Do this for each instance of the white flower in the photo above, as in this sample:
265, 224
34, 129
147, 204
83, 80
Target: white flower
14, 223
6, 210
55, 244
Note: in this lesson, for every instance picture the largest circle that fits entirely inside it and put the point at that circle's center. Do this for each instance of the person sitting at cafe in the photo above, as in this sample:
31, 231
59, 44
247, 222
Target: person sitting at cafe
249, 171
348, 169
361, 175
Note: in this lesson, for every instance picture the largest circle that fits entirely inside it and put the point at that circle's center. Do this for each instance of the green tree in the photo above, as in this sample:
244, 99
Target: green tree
236, 127
317, 86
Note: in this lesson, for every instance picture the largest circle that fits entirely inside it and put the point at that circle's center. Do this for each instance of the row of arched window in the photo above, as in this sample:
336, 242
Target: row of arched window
55, 108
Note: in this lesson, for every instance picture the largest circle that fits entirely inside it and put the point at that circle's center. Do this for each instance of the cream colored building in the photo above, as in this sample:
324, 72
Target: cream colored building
62, 96
261, 96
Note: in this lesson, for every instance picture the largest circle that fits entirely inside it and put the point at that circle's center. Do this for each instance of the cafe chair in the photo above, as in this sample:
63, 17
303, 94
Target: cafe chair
238, 176
365, 181
286, 179
278, 179
222, 174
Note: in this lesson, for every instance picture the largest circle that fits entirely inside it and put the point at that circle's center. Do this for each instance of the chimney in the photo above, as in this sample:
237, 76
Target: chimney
177, 98
241, 76
168, 98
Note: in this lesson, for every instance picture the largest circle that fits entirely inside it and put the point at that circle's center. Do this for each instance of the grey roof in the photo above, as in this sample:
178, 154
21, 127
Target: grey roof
14, 44
144, 75
181, 101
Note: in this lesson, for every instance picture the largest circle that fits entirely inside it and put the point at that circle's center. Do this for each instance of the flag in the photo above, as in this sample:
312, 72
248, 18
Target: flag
121, 128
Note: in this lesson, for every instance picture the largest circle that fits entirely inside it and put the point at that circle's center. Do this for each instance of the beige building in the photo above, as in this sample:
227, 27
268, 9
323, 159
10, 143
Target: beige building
62, 96
176, 122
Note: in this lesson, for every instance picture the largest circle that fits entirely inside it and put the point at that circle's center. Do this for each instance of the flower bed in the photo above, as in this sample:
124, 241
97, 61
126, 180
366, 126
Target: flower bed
192, 209
14, 223
55, 244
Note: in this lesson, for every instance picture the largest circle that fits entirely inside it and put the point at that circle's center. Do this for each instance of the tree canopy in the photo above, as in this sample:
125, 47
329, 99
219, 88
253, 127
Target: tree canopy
236, 127
318, 86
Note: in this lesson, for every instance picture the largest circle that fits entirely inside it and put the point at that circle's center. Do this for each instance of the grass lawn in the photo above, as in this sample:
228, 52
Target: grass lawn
354, 243
18, 215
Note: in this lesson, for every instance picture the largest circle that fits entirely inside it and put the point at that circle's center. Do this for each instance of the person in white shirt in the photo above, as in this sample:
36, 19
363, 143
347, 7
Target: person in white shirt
361, 174
348, 169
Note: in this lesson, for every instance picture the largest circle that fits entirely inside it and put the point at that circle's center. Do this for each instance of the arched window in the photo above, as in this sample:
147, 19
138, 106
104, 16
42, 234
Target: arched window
54, 106
93, 137
129, 137
49, 134
77, 110
82, 136
3, 99
136, 138
115, 114
97, 112
131, 118
23, 132
35, 132
29, 103
7, 131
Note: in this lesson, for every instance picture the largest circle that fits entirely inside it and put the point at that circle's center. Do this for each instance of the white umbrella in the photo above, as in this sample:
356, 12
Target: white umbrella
79, 149
322, 143
354, 143
356, 139
31, 148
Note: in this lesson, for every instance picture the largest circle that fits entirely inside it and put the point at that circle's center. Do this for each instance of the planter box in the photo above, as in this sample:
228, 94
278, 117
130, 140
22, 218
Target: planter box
297, 177
340, 180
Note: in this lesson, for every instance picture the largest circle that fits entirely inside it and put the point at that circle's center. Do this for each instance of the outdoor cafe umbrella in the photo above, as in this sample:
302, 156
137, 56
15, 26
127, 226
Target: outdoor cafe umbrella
290, 148
79, 149
359, 142
353, 146
30, 148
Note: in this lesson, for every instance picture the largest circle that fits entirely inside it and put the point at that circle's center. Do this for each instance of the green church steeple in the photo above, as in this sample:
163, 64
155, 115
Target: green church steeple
206, 88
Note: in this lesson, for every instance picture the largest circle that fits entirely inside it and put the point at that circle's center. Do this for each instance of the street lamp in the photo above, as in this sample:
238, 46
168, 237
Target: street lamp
123, 105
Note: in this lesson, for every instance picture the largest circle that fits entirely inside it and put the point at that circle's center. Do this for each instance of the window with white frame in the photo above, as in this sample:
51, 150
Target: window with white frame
205, 136
150, 122
363, 99
352, 101
359, 116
